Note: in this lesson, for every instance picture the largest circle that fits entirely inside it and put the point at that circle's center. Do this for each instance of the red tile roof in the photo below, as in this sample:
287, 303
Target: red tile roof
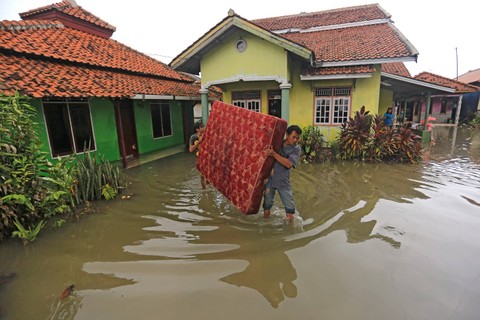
378, 41
397, 68
345, 34
45, 58
459, 87
76, 46
67, 8
338, 70
47, 78
323, 18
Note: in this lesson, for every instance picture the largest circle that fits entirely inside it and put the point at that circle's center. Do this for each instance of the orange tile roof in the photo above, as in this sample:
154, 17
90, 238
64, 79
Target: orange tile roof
338, 70
67, 8
459, 87
72, 45
397, 68
377, 41
323, 18
46, 78
345, 34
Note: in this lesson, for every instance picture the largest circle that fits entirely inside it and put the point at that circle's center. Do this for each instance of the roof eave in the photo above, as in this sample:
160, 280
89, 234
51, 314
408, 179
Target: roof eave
362, 62
413, 81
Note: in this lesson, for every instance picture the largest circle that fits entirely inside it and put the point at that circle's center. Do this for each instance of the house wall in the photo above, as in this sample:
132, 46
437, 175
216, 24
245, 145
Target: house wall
265, 59
261, 58
386, 101
143, 120
104, 128
105, 132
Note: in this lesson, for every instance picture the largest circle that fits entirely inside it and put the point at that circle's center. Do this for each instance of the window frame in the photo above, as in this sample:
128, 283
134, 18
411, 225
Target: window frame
161, 104
330, 104
65, 104
248, 99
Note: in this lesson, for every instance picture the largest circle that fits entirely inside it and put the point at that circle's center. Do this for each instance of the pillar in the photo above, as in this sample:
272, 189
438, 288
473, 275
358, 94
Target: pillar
204, 99
286, 101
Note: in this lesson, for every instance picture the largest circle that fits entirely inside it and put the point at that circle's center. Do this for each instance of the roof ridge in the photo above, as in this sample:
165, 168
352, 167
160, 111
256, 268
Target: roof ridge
70, 8
18, 25
304, 14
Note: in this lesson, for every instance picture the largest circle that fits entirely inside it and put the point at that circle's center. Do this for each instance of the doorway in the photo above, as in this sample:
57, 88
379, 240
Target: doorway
275, 103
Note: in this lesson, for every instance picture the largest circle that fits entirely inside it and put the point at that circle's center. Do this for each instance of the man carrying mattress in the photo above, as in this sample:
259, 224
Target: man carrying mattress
279, 180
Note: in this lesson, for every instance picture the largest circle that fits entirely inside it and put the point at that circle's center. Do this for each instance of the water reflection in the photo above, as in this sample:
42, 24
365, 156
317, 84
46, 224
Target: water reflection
368, 232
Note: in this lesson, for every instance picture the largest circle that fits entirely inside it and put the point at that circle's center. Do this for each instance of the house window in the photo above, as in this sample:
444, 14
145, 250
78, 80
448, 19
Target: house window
161, 119
443, 107
332, 105
247, 99
69, 126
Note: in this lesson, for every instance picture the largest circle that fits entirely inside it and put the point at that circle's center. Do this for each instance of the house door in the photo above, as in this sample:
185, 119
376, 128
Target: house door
126, 128
275, 103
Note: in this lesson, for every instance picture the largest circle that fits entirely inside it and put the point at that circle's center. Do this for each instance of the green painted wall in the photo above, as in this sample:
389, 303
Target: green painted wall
261, 58
104, 128
143, 119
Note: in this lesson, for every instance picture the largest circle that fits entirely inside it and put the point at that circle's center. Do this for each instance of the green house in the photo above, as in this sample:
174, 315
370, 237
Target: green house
309, 68
92, 91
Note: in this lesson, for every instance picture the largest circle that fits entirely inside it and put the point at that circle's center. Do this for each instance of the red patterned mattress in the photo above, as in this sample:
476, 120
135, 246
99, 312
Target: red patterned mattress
232, 157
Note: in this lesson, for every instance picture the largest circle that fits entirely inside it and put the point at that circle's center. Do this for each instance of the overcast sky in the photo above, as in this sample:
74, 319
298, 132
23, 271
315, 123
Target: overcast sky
438, 29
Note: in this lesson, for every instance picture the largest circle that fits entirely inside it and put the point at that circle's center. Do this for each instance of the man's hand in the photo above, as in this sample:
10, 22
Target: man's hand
269, 152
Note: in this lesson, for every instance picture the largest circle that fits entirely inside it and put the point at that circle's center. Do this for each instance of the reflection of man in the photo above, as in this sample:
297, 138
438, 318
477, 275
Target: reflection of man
271, 274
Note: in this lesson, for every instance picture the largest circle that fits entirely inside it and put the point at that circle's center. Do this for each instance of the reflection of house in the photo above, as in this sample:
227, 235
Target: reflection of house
310, 68
445, 108
91, 90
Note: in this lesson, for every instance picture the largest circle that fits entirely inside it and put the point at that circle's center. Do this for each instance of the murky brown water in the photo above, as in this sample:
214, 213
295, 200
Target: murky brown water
374, 241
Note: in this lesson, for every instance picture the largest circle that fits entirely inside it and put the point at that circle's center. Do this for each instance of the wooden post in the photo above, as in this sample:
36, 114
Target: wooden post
118, 116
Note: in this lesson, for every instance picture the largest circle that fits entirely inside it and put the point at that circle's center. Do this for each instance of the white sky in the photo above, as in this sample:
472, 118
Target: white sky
165, 28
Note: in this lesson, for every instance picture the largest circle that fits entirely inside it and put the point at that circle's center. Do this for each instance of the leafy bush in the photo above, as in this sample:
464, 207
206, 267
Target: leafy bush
31, 189
355, 135
96, 178
366, 138
312, 143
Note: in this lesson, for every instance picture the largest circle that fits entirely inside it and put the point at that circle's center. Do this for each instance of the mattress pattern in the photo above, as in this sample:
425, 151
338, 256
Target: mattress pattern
232, 156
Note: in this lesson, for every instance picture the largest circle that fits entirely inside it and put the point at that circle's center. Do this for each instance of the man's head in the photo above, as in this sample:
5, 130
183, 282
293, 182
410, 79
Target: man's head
293, 134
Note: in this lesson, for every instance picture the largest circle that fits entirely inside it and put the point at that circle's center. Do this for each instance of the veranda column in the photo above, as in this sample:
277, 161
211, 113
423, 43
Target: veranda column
426, 135
204, 98
286, 101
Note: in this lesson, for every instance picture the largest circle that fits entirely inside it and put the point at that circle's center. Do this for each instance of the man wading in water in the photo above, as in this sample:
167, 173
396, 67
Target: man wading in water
279, 180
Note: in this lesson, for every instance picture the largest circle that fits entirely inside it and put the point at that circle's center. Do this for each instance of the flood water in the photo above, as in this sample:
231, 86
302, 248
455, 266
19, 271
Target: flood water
372, 241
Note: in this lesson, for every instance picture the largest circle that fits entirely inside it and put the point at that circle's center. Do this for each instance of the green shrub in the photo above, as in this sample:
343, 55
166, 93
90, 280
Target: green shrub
96, 178
365, 138
312, 143
30, 187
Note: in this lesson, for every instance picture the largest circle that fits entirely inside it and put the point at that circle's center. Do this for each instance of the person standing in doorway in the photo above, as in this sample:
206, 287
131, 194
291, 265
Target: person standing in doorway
286, 158
194, 145
388, 118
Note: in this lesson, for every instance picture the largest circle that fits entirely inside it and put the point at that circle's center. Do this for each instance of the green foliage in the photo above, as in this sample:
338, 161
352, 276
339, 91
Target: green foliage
366, 138
96, 178
27, 235
312, 143
59, 223
30, 188
108, 192
355, 135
